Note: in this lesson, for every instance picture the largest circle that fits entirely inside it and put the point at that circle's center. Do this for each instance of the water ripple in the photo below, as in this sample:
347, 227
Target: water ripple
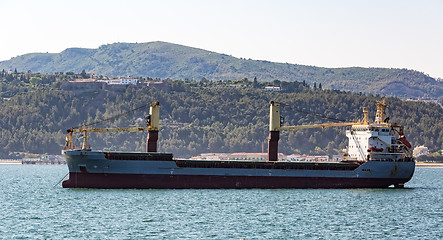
33, 209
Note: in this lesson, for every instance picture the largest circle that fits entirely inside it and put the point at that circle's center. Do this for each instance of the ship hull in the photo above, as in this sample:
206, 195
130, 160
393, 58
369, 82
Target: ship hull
160, 181
105, 170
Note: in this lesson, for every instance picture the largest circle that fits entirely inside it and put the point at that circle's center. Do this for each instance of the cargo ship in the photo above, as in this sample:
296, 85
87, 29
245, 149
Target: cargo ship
378, 156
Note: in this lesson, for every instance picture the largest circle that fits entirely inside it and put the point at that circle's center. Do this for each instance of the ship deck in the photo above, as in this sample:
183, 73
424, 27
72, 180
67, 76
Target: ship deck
185, 163
240, 164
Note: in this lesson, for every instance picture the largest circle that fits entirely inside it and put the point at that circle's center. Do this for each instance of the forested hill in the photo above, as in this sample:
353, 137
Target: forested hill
196, 116
165, 60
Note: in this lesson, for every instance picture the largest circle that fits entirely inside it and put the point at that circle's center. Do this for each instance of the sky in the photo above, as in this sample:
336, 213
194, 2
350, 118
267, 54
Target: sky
340, 33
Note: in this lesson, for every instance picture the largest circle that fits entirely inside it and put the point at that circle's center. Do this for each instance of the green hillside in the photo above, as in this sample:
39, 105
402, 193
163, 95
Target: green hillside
165, 60
196, 116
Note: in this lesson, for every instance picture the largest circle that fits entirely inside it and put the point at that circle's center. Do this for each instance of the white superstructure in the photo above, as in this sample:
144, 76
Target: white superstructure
380, 141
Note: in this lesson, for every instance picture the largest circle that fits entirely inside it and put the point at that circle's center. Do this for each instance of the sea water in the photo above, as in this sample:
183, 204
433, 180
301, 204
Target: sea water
34, 206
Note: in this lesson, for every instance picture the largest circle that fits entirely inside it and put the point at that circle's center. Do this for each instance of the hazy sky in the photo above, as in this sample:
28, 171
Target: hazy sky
338, 33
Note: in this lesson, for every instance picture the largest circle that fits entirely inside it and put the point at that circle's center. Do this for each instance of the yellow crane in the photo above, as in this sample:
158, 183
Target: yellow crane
275, 122
152, 119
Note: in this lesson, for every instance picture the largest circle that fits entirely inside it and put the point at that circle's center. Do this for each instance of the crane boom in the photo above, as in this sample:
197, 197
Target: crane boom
322, 125
102, 130
152, 127
275, 122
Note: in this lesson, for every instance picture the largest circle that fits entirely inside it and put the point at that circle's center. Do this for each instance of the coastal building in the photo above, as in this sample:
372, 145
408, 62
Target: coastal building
251, 156
337, 158
122, 81
244, 156
307, 158
240, 156
212, 156
237, 86
272, 88
421, 150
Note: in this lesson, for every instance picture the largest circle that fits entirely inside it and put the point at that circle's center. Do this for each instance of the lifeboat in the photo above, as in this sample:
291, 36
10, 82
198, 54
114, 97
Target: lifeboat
403, 140
374, 149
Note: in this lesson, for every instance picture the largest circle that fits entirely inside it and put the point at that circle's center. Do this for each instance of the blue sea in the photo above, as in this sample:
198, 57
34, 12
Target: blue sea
34, 206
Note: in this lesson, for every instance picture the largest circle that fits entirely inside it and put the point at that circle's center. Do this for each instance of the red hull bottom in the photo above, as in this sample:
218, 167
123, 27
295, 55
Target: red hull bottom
141, 181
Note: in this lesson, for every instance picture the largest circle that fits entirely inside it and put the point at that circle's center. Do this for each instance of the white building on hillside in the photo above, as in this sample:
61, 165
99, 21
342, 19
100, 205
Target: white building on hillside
272, 88
121, 81
421, 150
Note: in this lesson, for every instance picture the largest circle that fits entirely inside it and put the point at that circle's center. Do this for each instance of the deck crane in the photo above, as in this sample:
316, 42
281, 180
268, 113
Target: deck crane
152, 120
275, 122
375, 141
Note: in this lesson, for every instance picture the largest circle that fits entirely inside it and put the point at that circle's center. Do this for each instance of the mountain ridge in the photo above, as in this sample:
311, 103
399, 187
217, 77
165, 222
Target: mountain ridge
168, 60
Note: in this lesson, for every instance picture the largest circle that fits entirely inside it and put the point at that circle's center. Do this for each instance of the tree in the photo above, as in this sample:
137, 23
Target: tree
255, 83
204, 82
83, 74
35, 81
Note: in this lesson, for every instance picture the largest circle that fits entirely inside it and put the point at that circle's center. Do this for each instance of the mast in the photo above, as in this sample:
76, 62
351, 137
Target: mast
365, 118
153, 125
85, 137
380, 111
274, 131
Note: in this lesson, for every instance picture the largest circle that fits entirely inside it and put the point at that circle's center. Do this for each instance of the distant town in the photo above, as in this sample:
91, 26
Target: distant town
92, 82
420, 151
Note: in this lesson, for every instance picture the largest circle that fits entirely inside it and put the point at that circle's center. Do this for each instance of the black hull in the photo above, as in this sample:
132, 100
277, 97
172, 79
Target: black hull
157, 181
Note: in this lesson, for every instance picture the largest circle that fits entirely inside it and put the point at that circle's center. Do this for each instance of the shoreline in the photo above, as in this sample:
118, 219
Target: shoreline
10, 162
23, 162
433, 165
418, 164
